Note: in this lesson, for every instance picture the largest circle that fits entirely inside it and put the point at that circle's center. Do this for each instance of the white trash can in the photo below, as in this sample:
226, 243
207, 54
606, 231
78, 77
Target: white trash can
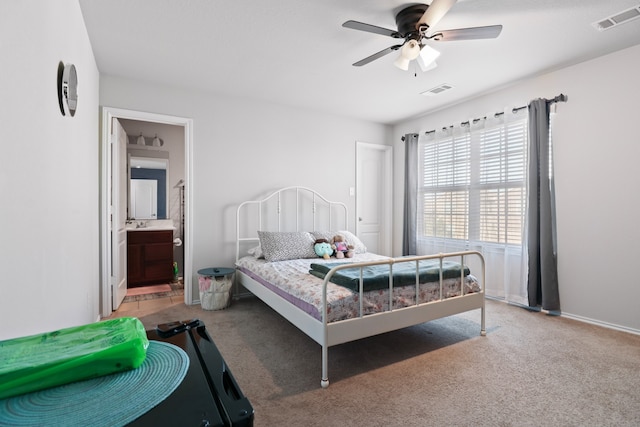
215, 287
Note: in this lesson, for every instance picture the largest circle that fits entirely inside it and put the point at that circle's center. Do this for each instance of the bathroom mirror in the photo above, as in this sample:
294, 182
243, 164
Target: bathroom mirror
148, 188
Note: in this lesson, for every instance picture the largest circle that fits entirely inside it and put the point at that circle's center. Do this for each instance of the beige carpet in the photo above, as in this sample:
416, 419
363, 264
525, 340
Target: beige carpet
530, 370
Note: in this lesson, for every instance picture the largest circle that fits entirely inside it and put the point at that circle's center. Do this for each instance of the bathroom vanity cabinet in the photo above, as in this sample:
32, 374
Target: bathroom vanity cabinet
149, 257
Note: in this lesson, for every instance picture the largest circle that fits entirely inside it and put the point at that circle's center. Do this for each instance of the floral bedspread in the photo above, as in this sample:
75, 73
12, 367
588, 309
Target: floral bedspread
291, 279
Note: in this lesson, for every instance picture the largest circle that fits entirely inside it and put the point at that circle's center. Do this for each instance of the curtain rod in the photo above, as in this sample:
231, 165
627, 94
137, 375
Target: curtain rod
560, 98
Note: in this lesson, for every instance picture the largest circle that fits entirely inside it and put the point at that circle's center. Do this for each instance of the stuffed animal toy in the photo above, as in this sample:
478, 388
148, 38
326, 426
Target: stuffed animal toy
323, 248
341, 248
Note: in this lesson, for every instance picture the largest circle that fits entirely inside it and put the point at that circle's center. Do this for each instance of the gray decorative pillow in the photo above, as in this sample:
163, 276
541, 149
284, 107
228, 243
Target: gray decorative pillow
349, 237
280, 246
328, 235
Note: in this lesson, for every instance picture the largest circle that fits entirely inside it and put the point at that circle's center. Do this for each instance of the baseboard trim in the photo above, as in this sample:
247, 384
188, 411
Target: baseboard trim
572, 316
601, 323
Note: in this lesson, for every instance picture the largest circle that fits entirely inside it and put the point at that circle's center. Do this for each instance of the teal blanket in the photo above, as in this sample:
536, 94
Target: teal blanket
376, 277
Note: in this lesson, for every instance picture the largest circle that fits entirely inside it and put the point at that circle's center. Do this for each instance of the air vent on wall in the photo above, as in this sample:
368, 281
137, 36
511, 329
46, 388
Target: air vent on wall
437, 90
617, 19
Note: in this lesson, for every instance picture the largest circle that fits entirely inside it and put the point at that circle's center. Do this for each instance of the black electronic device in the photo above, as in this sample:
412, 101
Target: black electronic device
209, 395
166, 330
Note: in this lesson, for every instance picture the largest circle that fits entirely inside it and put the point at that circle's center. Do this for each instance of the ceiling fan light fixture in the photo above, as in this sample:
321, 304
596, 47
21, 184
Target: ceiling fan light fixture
409, 51
402, 63
413, 24
427, 67
427, 58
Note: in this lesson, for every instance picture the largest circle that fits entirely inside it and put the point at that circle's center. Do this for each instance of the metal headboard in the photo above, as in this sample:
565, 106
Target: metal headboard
311, 211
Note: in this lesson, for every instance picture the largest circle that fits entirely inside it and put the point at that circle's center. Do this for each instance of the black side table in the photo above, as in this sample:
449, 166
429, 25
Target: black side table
209, 394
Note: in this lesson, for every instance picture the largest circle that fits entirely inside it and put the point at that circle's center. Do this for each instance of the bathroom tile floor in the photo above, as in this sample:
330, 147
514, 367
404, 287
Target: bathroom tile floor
144, 307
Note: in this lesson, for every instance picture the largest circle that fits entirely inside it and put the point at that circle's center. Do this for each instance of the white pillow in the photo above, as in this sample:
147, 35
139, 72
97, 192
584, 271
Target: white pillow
352, 239
280, 246
349, 237
256, 252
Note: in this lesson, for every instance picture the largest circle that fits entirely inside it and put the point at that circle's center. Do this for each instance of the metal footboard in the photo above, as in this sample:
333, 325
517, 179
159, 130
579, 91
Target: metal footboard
369, 325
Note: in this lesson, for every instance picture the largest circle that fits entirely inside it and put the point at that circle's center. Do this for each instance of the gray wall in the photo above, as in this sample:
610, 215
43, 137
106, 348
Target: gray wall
596, 165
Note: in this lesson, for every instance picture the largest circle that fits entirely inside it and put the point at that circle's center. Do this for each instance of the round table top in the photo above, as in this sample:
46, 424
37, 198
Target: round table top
216, 271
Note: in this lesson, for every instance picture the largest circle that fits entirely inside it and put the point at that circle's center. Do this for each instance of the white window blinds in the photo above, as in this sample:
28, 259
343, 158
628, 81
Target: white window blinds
501, 183
473, 184
447, 178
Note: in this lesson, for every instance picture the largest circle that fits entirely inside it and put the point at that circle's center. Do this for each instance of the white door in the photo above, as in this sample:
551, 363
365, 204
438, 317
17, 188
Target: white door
144, 199
373, 196
119, 214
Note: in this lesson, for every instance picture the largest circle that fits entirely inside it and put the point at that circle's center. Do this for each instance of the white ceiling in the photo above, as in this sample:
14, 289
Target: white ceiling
296, 52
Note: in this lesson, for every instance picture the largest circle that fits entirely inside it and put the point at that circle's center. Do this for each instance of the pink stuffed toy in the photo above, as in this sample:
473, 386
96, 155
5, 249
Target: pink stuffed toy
341, 248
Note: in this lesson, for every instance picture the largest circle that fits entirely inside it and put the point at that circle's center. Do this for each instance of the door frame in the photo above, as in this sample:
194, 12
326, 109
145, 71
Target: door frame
108, 114
386, 151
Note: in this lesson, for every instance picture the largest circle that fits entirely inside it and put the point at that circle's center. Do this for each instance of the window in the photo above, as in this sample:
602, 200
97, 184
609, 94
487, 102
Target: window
446, 187
473, 185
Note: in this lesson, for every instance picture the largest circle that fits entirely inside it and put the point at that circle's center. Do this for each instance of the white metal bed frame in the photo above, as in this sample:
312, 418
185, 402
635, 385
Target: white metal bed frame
333, 333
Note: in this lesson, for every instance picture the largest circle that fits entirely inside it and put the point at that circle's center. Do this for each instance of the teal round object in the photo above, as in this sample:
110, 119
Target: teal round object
215, 271
110, 400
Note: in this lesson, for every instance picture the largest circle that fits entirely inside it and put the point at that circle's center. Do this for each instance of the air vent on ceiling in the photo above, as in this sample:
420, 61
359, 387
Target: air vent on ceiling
437, 90
617, 19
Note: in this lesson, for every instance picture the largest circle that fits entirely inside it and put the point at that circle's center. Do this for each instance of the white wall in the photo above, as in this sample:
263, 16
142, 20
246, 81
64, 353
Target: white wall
243, 149
596, 164
48, 171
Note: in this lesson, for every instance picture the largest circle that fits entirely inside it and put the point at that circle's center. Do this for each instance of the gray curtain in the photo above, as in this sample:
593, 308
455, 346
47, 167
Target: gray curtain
542, 283
409, 236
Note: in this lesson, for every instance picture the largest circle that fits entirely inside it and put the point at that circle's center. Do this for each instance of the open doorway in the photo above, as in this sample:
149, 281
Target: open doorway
133, 137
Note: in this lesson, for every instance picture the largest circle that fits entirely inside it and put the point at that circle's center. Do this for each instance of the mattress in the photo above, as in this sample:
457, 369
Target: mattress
292, 281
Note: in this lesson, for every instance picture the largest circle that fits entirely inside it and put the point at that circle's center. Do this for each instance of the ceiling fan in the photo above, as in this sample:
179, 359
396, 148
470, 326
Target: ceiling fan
415, 24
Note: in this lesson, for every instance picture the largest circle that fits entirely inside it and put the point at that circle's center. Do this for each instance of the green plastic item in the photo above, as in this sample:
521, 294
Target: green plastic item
78, 353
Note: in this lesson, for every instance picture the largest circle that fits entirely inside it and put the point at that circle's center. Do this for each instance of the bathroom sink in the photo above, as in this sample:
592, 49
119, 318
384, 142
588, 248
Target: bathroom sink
153, 228
151, 225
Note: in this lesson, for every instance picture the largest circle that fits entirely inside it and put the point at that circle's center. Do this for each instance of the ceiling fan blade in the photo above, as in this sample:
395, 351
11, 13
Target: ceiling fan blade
488, 32
436, 10
375, 56
355, 25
